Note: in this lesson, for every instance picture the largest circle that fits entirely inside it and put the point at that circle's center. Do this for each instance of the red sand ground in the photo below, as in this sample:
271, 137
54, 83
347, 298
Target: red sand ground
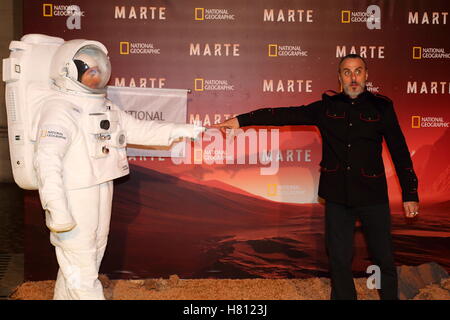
226, 289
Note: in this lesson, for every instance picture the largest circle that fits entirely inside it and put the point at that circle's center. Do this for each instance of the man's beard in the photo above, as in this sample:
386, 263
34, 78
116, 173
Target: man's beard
352, 93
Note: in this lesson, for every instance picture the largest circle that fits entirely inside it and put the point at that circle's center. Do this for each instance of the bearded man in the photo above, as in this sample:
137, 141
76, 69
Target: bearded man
353, 184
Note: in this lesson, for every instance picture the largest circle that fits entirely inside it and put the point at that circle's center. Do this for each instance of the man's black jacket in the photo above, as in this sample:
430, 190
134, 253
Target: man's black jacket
352, 169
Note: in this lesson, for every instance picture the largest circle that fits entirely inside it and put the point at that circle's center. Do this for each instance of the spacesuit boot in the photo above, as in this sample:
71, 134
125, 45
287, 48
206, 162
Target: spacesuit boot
80, 251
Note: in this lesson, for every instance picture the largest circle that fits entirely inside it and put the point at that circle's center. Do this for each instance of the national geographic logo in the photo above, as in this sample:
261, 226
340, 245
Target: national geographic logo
372, 88
214, 49
202, 14
201, 84
437, 17
373, 52
52, 134
276, 50
289, 86
72, 12
431, 87
371, 17
428, 122
275, 190
429, 53
288, 15
126, 47
142, 82
139, 13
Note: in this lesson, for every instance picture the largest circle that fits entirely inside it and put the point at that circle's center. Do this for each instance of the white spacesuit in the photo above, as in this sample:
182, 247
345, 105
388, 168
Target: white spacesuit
80, 140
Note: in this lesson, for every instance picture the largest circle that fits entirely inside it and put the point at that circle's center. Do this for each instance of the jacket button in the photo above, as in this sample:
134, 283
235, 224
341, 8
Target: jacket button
349, 145
350, 124
348, 168
105, 150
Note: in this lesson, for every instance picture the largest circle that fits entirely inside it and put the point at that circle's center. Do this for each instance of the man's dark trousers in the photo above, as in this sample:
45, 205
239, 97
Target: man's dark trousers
339, 232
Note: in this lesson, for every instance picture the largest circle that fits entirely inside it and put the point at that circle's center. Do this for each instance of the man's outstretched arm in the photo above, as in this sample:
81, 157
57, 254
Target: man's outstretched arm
284, 116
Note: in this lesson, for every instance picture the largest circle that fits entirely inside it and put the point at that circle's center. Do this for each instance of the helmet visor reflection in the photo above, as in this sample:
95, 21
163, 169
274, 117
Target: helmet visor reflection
93, 66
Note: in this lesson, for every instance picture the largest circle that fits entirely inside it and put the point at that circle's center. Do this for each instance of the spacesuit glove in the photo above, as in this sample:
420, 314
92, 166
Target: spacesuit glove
186, 131
58, 218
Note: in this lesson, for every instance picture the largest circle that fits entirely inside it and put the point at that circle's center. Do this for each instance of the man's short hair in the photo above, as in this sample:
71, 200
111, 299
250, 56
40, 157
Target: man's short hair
351, 56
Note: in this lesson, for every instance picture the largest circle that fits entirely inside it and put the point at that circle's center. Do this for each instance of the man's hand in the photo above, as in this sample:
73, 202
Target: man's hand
411, 209
232, 123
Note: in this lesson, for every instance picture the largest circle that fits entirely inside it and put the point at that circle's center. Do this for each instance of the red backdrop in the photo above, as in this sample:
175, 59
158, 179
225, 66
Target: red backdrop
228, 220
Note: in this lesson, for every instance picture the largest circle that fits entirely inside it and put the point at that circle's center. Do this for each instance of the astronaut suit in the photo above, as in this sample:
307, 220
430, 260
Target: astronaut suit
80, 149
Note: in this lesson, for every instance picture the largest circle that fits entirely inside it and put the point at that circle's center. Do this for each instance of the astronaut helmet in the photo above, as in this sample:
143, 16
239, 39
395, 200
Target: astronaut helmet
81, 66
93, 67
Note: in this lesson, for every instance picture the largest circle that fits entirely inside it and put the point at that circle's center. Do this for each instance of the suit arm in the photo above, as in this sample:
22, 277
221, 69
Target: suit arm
155, 133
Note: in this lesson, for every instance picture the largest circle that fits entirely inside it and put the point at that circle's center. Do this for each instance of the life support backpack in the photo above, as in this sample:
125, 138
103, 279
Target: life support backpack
27, 76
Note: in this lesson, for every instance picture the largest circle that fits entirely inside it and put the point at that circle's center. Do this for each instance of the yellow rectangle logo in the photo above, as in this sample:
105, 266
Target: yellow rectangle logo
417, 52
198, 156
47, 9
124, 47
272, 190
345, 16
199, 13
273, 50
198, 84
415, 121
